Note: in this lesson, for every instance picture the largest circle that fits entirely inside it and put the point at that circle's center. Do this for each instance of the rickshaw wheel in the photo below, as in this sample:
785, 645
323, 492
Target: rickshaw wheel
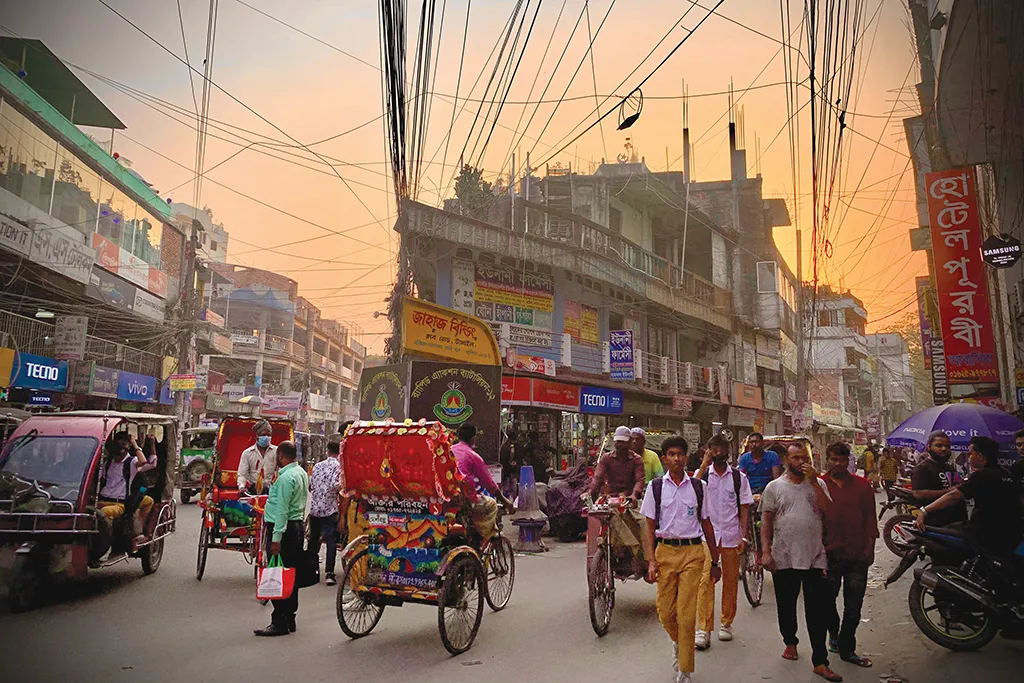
500, 563
460, 604
601, 589
357, 615
753, 576
25, 584
154, 552
204, 547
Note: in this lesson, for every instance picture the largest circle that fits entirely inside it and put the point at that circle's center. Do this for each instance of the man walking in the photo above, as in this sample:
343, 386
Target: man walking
728, 498
283, 518
676, 516
792, 510
324, 488
888, 470
652, 463
850, 533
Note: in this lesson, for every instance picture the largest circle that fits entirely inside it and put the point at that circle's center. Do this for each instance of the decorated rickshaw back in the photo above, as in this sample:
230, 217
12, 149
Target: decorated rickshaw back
407, 483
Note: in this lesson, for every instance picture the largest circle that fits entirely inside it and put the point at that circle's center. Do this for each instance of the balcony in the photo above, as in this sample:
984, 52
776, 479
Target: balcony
581, 246
663, 374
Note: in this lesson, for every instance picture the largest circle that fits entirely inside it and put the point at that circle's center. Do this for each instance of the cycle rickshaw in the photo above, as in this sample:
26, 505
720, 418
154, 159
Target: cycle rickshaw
605, 563
231, 519
417, 547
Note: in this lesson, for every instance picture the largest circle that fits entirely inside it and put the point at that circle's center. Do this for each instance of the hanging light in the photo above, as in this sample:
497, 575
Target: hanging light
630, 108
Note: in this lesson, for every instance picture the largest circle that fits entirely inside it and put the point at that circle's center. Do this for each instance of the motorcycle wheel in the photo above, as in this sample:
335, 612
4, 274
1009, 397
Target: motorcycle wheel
930, 615
891, 536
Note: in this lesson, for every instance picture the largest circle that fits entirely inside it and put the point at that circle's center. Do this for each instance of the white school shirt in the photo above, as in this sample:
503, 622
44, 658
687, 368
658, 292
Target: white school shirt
720, 501
678, 508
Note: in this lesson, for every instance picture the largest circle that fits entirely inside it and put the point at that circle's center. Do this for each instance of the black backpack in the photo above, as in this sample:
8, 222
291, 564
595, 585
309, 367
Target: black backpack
698, 490
737, 481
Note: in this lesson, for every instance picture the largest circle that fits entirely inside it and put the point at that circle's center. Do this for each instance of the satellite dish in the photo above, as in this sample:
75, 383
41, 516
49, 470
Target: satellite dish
630, 108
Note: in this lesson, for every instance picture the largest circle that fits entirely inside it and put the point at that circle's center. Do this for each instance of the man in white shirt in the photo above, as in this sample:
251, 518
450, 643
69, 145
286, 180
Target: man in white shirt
124, 461
324, 486
728, 498
261, 457
676, 515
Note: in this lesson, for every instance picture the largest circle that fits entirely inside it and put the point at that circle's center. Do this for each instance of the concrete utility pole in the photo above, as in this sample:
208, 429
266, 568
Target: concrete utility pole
307, 371
187, 316
801, 351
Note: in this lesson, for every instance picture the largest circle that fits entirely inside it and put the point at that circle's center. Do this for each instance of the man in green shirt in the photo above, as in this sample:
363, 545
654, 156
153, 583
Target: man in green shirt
652, 462
284, 519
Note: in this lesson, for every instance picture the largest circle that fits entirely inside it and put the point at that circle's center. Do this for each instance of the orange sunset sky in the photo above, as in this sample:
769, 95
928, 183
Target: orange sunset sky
312, 91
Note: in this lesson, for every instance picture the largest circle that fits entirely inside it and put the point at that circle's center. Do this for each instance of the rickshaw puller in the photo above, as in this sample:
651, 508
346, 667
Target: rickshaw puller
484, 495
261, 457
621, 473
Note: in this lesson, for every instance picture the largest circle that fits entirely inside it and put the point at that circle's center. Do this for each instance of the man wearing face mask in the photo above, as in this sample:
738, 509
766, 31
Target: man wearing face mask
934, 476
259, 458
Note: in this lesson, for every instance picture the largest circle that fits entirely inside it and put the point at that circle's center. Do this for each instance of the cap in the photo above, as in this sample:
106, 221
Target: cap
638, 431
622, 433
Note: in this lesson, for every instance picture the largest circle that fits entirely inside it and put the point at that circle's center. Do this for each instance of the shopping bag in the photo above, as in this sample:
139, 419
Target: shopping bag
276, 582
307, 570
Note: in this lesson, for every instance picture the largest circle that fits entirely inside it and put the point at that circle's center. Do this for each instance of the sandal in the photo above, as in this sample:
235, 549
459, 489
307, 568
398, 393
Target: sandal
827, 673
857, 660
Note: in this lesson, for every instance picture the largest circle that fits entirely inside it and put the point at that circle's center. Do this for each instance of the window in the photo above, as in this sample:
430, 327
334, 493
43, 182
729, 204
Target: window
28, 157
767, 277
615, 220
851, 357
826, 318
213, 246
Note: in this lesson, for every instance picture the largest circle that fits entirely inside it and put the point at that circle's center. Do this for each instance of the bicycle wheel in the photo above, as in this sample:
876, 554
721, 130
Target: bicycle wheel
357, 613
753, 574
500, 564
460, 604
204, 547
601, 589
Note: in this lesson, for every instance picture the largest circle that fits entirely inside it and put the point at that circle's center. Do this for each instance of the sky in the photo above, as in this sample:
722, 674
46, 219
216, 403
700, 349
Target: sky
325, 218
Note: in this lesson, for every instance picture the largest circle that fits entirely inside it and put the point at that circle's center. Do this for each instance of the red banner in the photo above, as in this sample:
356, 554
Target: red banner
966, 328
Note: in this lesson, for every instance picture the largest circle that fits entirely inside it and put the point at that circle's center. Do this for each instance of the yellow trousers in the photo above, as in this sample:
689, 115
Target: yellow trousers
484, 515
730, 561
679, 572
112, 510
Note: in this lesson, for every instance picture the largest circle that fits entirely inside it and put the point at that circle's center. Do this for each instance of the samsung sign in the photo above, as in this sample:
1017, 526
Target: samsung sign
600, 401
134, 387
39, 372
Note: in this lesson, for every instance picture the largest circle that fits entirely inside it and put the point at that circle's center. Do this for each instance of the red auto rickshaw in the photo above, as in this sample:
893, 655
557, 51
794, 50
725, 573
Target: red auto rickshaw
50, 470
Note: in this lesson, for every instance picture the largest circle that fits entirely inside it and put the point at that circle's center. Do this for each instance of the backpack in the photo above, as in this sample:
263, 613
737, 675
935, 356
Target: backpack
698, 490
737, 481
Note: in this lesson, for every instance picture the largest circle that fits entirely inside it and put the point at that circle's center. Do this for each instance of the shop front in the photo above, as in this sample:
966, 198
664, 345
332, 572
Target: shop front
543, 416
31, 381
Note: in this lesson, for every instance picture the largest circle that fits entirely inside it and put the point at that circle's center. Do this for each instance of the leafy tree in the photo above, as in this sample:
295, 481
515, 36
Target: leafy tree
471, 189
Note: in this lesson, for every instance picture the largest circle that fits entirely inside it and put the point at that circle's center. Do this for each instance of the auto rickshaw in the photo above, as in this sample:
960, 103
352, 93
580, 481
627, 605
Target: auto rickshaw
417, 548
231, 519
10, 418
50, 473
197, 449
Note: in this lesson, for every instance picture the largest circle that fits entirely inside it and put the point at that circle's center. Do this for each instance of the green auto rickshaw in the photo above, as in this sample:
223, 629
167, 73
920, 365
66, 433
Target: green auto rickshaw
197, 448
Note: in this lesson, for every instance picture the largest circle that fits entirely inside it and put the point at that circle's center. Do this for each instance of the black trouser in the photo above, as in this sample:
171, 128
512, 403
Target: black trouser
852, 578
816, 596
326, 529
887, 485
291, 549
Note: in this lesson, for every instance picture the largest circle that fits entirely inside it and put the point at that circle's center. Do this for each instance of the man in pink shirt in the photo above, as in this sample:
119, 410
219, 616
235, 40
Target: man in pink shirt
483, 493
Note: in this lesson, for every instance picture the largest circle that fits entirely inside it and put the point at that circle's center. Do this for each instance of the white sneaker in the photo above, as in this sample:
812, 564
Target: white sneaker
675, 656
683, 677
702, 640
725, 634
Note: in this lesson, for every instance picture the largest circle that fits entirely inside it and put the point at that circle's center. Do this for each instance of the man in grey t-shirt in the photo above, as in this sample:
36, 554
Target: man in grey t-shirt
792, 510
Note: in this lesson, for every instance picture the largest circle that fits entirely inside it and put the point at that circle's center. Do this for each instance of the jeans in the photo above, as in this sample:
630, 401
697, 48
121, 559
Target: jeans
852, 578
816, 596
291, 548
325, 529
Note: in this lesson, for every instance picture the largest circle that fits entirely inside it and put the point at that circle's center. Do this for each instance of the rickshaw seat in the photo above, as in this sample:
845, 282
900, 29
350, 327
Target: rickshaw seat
221, 494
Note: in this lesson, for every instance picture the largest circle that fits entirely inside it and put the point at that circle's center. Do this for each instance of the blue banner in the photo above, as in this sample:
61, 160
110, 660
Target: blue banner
600, 401
620, 349
133, 387
39, 372
166, 398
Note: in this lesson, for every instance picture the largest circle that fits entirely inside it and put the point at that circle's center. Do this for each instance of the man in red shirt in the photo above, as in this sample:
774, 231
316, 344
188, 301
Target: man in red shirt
850, 533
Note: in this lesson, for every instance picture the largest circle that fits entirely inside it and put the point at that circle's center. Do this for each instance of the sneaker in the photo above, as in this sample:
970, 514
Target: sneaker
725, 633
702, 640
330, 580
833, 645
683, 677
790, 653
675, 656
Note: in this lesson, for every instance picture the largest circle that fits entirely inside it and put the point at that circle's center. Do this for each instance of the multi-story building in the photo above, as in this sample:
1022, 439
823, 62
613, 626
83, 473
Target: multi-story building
213, 238
91, 257
893, 395
283, 350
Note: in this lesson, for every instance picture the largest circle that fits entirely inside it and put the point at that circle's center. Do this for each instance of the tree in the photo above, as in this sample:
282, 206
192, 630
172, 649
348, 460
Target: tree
909, 328
471, 189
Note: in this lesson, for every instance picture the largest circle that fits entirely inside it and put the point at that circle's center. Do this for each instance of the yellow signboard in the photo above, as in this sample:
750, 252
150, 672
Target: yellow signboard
6, 363
432, 331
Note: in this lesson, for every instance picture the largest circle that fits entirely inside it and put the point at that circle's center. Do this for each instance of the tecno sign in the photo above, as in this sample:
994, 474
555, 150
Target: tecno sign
46, 373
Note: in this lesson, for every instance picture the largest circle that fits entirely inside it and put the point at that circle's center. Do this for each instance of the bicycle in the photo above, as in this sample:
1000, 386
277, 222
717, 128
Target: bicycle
751, 570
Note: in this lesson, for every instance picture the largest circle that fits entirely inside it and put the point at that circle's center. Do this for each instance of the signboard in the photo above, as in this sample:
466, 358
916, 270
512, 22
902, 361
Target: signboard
691, 432
282, 403
682, 404
212, 317
166, 398
60, 248
437, 332
516, 391
202, 377
620, 350
556, 395
1001, 252
601, 401
457, 393
245, 340
134, 387
183, 382
218, 403
233, 391
772, 397
741, 417
383, 392
512, 297
149, 306
802, 415
589, 330
1018, 377
747, 395
111, 290
940, 380
38, 372
104, 381
69, 335
787, 348
220, 342
960, 278
571, 319
544, 366
463, 286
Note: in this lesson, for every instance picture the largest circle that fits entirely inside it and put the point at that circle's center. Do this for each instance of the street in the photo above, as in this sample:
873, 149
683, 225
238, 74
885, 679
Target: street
169, 627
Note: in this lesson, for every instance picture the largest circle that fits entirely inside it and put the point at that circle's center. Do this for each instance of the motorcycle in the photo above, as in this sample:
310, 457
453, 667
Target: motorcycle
905, 504
965, 595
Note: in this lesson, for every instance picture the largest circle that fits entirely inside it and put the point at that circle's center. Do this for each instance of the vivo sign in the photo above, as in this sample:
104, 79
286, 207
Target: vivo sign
135, 387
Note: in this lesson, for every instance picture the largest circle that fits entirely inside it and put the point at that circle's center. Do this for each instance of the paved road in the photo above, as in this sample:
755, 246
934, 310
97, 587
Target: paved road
120, 626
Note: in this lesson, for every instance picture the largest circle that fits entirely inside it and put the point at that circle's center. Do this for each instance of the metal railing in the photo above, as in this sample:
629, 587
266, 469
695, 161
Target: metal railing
662, 373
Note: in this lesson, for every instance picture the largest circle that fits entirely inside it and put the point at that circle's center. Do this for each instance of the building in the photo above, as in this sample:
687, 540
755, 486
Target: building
300, 364
91, 257
213, 238
841, 377
893, 394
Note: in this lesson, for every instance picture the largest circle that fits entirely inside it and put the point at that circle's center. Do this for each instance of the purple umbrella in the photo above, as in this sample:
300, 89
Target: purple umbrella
960, 421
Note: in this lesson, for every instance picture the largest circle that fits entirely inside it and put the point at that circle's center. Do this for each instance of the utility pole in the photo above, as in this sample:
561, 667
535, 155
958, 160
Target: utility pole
801, 349
187, 316
307, 370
